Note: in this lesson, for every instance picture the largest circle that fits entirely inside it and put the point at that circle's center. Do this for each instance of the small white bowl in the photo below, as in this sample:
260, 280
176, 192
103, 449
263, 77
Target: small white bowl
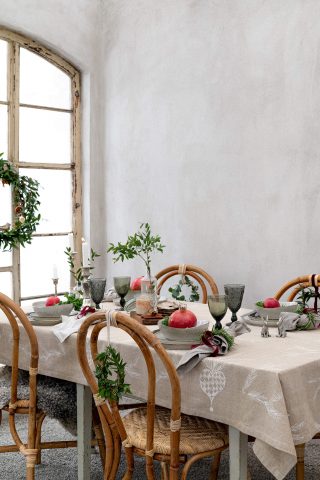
53, 311
192, 333
274, 313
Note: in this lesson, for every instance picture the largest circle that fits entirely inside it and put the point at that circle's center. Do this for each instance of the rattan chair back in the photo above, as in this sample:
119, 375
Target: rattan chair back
14, 314
112, 423
196, 273
312, 280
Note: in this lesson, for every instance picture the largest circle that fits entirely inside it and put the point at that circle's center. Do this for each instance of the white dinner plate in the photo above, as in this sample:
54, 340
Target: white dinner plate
175, 344
43, 321
255, 320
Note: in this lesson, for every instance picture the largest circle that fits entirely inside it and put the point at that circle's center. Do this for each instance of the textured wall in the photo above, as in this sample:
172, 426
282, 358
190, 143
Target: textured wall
202, 117
212, 134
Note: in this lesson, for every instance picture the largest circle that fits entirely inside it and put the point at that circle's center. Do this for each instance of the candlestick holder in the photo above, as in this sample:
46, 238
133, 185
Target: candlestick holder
55, 283
87, 302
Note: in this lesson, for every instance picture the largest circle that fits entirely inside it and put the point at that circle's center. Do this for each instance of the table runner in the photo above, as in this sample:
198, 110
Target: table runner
265, 387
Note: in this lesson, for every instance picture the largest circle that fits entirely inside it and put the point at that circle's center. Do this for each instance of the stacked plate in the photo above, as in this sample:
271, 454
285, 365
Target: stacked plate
181, 338
48, 316
43, 320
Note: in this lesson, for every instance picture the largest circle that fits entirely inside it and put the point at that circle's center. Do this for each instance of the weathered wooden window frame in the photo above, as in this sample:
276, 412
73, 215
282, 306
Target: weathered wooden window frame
15, 41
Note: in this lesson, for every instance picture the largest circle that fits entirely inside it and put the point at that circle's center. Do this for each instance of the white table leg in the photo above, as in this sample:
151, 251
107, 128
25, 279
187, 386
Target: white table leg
238, 454
84, 426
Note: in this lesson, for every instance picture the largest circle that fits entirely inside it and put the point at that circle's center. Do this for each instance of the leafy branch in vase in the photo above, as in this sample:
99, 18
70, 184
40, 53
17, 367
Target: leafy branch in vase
141, 244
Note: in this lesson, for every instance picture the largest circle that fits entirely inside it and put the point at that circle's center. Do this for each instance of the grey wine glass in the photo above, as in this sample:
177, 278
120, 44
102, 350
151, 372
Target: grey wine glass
122, 287
218, 306
97, 288
235, 293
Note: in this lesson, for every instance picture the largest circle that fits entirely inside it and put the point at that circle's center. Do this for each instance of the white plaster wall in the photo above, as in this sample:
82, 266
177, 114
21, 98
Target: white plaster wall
212, 134
201, 117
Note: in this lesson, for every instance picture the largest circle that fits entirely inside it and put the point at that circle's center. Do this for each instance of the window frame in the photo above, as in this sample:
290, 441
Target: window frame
15, 41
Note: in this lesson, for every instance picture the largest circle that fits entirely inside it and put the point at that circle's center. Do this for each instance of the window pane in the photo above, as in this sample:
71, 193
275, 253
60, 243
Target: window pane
37, 262
6, 283
41, 83
3, 70
4, 130
5, 202
44, 136
5, 259
55, 199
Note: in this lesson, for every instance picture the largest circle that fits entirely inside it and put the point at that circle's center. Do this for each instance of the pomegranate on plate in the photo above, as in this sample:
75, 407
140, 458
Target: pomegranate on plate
271, 303
52, 301
182, 318
136, 283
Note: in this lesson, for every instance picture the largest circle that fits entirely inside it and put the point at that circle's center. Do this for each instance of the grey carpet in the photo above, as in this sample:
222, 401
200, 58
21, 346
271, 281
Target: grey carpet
62, 464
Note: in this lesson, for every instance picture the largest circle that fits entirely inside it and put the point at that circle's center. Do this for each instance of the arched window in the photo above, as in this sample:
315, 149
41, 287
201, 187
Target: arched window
40, 135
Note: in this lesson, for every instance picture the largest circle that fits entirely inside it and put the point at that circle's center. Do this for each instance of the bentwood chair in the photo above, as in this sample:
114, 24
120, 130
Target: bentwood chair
152, 432
294, 287
184, 270
23, 392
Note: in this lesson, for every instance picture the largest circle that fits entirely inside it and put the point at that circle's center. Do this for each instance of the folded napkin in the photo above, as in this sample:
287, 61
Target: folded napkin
212, 346
71, 325
293, 321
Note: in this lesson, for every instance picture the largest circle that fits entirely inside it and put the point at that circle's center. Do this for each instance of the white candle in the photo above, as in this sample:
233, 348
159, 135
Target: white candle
85, 254
71, 242
55, 271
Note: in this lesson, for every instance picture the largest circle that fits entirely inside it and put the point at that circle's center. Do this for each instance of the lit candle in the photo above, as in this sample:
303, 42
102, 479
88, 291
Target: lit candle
55, 271
71, 242
85, 254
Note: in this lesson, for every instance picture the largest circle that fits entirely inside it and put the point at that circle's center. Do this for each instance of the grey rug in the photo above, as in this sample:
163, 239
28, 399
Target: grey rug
62, 464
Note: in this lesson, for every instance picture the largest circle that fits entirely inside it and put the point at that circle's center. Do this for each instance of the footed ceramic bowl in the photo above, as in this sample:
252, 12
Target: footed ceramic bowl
192, 333
274, 313
54, 311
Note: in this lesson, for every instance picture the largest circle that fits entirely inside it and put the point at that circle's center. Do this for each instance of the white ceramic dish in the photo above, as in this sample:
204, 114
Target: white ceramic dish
38, 320
274, 313
175, 344
54, 311
255, 320
184, 334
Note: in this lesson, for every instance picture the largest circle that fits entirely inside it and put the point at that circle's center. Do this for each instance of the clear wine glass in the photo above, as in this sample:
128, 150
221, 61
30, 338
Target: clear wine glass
97, 288
218, 305
122, 287
235, 292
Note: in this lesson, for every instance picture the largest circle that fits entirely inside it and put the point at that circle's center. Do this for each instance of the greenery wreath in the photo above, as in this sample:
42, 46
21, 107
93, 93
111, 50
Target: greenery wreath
176, 290
25, 207
110, 373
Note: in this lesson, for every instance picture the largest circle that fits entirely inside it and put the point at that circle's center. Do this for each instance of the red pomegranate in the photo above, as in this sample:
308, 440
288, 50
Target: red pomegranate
182, 318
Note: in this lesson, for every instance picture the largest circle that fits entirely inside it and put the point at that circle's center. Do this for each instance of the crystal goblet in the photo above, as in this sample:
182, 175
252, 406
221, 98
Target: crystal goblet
235, 292
218, 305
97, 288
122, 287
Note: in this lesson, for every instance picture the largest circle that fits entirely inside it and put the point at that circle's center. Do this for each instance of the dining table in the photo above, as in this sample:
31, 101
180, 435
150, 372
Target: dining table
267, 388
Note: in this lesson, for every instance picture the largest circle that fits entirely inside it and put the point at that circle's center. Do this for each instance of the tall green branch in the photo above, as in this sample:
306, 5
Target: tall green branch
141, 244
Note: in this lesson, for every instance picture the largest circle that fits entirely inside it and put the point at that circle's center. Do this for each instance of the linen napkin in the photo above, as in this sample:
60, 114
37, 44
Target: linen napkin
71, 325
289, 321
212, 346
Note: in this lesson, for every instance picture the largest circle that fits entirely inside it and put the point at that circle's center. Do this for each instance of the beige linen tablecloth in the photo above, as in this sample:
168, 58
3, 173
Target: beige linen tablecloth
265, 387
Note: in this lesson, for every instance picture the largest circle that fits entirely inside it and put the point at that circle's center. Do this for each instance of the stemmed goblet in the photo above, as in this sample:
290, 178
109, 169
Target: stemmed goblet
218, 305
97, 288
122, 287
235, 292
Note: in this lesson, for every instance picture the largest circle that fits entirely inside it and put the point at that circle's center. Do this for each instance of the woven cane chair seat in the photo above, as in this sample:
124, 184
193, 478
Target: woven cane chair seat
197, 434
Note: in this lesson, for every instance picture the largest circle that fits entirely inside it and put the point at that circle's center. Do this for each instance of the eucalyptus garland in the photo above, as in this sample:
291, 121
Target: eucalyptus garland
25, 207
176, 290
110, 373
